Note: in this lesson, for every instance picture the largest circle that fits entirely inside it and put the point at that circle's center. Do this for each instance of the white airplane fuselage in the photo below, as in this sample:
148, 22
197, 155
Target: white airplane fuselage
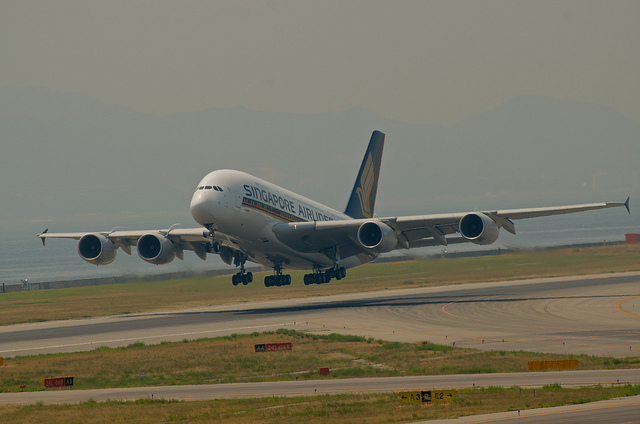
243, 209
250, 219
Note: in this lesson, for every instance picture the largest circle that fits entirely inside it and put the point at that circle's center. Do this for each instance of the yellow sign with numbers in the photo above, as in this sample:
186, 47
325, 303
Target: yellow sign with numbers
410, 397
427, 396
443, 395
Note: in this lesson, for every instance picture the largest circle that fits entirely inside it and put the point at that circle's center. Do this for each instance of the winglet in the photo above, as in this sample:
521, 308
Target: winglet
626, 205
363, 195
42, 238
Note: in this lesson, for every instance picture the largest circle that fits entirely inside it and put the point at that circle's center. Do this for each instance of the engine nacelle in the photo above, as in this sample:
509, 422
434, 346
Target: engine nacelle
377, 236
478, 228
156, 249
96, 249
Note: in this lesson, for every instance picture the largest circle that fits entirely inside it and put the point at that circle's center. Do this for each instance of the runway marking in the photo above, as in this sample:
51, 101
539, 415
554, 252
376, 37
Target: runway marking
618, 306
460, 316
501, 322
544, 414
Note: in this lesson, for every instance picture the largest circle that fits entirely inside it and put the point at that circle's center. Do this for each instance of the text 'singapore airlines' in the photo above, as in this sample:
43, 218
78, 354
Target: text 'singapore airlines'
281, 207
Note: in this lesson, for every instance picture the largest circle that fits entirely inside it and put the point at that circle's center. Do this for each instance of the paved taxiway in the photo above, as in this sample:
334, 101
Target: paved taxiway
330, 386
595, 315
614, 411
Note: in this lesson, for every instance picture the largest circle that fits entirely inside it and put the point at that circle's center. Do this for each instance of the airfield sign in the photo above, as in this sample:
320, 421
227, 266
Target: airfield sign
427, 396
443, 395
413, 397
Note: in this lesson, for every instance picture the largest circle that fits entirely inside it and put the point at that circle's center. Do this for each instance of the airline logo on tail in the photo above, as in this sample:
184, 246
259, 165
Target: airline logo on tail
363, 197
367, 182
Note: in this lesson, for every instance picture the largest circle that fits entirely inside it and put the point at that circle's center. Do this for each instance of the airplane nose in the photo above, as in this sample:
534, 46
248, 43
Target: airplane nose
201, 208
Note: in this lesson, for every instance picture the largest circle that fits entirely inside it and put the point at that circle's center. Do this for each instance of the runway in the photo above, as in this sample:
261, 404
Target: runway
330, 386
615, 411
594, 315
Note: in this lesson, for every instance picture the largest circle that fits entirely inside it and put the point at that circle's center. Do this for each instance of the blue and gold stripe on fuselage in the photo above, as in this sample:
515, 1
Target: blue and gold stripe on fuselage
270, 210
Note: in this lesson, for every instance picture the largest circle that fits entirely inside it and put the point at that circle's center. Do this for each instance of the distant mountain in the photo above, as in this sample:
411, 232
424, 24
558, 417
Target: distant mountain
66, 154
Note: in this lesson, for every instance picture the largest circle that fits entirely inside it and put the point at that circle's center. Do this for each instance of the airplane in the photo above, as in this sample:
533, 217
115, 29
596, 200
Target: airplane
244, 218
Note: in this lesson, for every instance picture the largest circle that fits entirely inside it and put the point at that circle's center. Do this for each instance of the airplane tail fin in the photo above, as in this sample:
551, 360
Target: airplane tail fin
363, 195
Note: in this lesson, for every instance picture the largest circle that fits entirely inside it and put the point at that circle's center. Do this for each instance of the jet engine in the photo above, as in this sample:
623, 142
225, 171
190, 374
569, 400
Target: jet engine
478, 228
156, 249
377, 236
96, 249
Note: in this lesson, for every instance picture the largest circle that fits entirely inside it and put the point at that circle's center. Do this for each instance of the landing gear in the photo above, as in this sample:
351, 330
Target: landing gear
242, 278
320, 277
214, 246
239, 259
279, 279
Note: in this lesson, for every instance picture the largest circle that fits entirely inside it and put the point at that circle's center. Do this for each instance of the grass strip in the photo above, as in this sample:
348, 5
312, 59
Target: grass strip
92, 301
369, 408
231, 359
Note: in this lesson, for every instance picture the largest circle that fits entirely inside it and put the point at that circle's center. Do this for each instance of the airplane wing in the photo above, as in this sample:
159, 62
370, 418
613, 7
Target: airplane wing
196, 239
415, 229
347, 237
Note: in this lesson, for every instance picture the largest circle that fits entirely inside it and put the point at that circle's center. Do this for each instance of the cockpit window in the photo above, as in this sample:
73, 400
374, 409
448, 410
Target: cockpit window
216, 188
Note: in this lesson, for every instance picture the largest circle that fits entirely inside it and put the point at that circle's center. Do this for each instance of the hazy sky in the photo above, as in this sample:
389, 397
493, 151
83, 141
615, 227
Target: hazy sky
416, 61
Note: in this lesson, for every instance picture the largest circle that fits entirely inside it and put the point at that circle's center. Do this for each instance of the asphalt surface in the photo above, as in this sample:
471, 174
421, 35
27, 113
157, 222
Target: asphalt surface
595, 315
330, 386
615, 411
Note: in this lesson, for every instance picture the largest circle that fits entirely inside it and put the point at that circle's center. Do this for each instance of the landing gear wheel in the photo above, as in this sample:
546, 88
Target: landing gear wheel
328, 275
277, 280
239, 259
242, 278
320, 277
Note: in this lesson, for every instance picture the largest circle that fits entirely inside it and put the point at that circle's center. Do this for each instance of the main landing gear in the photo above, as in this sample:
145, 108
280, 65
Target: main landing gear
320, 277
243, 277
278, 280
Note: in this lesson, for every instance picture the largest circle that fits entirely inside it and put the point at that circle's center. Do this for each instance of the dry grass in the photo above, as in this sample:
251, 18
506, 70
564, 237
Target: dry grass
232, 359
369, 408
149, 296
